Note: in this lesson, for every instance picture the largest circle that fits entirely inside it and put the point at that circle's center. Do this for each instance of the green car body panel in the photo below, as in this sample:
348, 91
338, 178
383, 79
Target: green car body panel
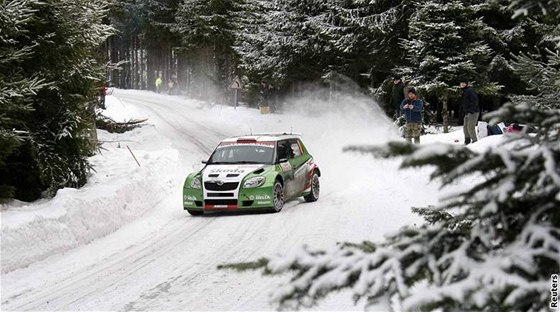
274, 158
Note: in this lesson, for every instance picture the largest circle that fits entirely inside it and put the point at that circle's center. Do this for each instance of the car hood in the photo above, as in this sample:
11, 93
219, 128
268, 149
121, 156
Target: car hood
229, 173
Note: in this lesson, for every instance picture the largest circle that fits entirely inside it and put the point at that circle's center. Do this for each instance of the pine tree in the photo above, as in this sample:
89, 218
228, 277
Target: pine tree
207, 34
51, 83
279, 42
366, 37
491, 247
509, 37
16, 88
446, 46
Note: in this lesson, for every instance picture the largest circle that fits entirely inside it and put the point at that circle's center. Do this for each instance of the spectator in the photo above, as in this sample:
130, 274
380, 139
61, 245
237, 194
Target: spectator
102, 94
158, 84
469, 102
171, 86
412, 109
397, 96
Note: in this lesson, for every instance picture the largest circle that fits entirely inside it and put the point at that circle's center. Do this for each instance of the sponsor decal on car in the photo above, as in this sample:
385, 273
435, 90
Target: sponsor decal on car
226, 170
220, 207
286, 166
259, 197
248, 143
264, 202
189, 197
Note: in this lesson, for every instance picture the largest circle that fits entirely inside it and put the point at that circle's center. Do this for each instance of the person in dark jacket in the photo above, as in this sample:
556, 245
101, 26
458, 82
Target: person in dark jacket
397, 96
469, 101
412, 110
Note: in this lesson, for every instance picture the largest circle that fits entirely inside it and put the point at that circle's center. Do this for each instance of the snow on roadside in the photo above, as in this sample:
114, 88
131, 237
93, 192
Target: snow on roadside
117, 193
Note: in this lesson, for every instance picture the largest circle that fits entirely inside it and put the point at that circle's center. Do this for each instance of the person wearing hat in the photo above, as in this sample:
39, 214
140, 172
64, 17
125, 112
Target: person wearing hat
412, 109
469, 101
397, 96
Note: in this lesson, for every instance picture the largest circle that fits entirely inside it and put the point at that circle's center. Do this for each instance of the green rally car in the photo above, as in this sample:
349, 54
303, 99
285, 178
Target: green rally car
253, 172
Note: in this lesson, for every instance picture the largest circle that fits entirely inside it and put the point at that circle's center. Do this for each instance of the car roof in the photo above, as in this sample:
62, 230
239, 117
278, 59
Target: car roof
260, 137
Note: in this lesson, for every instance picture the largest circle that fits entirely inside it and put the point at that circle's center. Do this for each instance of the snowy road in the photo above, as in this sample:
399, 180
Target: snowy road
166, 259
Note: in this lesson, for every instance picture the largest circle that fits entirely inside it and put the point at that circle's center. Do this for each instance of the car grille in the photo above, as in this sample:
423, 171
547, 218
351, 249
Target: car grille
227, 186
220, 202
220, 195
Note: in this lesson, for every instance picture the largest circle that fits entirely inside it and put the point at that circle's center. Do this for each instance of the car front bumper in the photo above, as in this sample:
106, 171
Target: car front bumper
253, 198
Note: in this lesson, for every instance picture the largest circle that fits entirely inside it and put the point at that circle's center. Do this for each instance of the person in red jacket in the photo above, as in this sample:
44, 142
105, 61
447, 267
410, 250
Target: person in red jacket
102, 94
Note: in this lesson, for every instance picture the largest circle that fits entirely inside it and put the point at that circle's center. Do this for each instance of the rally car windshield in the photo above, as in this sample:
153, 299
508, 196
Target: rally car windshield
242, 154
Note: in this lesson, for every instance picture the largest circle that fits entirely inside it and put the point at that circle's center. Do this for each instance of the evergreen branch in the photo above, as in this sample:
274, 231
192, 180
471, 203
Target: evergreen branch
245, 266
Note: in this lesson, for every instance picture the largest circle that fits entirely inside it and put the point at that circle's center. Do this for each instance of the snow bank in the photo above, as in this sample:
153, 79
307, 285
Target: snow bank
117, 193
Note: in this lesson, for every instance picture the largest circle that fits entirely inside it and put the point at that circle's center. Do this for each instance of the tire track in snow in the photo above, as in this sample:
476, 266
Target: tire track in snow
114, 270
202, 147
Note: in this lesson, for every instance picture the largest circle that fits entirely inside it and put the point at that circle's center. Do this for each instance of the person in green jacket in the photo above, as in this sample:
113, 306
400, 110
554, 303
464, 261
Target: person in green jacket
158, 84
397, 96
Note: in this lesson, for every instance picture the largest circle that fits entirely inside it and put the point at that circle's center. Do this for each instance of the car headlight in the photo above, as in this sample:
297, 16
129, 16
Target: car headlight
195, 184
254, 182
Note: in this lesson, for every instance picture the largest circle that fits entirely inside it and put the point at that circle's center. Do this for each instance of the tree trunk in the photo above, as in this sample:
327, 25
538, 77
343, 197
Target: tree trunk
142, 64
445, 114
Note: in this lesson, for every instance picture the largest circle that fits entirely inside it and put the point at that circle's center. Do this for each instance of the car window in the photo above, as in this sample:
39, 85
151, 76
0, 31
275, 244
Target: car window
242, 153
296, 148
284, 151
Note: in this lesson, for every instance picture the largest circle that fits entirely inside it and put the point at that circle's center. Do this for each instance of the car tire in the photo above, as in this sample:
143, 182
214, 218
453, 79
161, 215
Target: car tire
315, 188
195, 212
278, 196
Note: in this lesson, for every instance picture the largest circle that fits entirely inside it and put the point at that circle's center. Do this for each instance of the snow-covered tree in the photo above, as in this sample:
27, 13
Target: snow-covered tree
444, 46
366, 36
16, 88
289, 41
279, 42
490, 247
49, 80
545, 8
508, 38
207, 35
541, 70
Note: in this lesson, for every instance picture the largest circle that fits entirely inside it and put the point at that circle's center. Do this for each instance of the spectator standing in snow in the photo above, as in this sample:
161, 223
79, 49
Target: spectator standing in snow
469, 101
102, 94
170, 86
265, 92
397, 96
158, 84
412, 109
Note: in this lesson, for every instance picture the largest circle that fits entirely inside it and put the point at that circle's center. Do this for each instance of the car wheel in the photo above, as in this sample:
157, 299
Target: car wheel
315, 188
278, 196
195, 212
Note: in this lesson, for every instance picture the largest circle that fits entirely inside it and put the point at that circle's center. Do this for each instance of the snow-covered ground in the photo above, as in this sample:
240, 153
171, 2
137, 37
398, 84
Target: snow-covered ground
123, 241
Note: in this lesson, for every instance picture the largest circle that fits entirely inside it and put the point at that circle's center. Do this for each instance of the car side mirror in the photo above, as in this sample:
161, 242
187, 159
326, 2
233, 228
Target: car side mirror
204, 162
